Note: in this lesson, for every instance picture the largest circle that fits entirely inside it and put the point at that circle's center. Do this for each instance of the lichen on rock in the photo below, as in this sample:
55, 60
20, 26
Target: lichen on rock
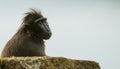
47, 63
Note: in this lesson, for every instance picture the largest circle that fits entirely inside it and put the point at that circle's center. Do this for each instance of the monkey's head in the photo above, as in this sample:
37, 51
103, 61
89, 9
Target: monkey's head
34, 22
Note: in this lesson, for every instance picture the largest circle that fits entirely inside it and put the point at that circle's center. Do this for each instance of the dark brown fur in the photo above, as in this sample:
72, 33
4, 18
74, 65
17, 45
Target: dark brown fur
28, 41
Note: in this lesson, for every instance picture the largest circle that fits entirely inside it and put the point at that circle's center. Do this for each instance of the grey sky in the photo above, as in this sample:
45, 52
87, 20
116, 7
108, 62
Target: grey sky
88, 29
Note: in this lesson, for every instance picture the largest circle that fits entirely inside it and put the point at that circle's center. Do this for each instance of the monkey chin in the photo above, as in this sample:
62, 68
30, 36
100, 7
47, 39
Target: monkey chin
46, 37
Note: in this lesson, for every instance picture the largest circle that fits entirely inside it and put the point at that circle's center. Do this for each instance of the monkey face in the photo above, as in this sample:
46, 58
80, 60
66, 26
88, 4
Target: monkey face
43, 27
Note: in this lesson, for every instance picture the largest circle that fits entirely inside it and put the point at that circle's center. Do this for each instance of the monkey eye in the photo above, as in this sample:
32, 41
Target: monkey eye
40, 22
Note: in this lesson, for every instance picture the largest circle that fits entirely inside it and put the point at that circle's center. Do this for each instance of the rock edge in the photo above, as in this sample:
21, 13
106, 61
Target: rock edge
46, 63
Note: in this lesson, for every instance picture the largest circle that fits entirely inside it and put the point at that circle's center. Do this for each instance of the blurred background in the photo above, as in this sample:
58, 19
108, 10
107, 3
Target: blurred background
82, 29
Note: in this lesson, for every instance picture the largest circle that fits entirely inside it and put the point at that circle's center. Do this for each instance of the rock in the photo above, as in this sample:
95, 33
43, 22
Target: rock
46, 63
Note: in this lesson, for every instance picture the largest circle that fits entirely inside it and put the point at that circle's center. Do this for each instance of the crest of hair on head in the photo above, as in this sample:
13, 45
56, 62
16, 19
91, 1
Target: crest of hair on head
31, 16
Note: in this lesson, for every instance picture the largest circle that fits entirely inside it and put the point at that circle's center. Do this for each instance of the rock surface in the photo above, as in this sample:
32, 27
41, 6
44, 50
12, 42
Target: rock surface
46, 63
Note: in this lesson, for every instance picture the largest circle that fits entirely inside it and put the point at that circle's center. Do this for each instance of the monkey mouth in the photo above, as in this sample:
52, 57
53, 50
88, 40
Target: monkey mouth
46, 36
